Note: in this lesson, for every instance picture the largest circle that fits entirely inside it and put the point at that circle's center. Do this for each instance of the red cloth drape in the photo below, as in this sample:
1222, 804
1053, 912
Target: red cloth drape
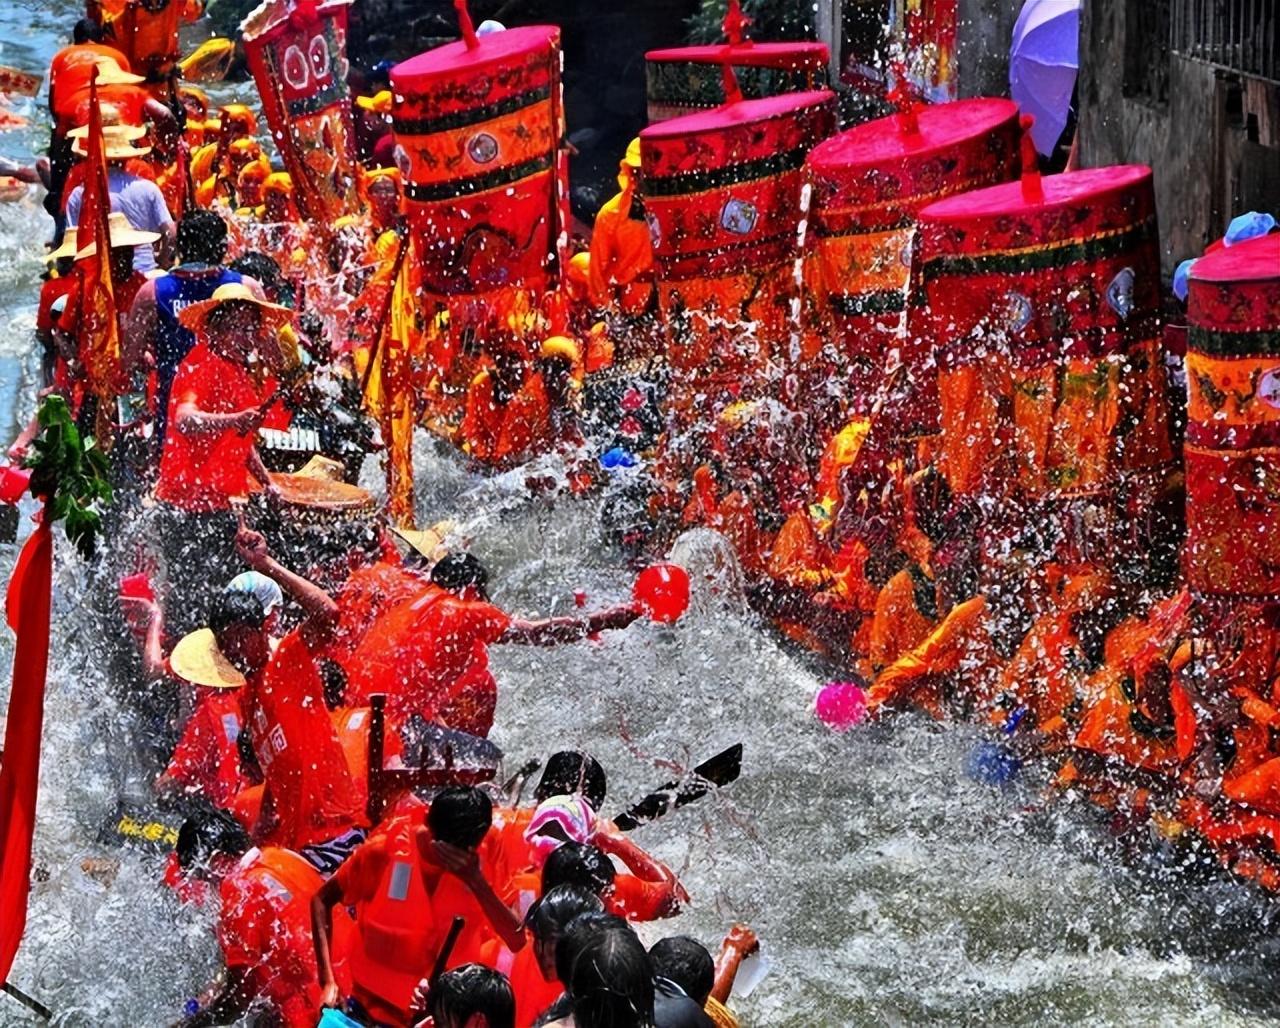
27, 605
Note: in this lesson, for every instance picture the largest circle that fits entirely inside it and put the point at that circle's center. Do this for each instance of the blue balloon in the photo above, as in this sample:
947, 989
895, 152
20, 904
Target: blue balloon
618, 457
1181, 277
992, 763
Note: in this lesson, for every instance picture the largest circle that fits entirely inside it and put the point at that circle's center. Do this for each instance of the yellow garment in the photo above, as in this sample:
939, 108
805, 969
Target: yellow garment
897, 625
721, 1016
839, 454
797, 558
621, 251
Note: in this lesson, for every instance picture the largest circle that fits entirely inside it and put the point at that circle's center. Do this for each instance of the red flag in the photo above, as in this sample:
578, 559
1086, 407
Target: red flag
28, 607
99, 341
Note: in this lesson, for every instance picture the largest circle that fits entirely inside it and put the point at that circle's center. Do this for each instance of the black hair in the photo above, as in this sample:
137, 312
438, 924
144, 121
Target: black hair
472, 989
460, 816
206, 833
578, 864
578, 933
258, 266
232, 609
686, 962
202, 238
550, 916
334, 680
611, 982
456, 571
86, 30
572, 771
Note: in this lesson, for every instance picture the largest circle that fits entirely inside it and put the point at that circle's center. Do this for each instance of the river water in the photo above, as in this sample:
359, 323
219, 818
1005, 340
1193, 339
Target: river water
888, 887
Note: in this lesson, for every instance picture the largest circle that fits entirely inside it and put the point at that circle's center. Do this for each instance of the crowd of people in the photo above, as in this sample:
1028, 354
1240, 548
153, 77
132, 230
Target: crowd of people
332, 889
929, 564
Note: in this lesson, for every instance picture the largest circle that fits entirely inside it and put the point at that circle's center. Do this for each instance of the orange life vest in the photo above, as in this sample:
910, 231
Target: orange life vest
398, 934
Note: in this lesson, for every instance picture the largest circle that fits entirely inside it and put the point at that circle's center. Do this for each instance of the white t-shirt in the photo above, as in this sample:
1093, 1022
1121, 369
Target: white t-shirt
139, 200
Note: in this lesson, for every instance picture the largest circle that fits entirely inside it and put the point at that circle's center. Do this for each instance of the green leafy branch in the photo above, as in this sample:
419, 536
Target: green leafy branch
70, 473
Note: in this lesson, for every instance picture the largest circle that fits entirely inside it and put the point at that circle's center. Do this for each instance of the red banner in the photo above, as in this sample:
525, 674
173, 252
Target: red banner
298, 54
28, 610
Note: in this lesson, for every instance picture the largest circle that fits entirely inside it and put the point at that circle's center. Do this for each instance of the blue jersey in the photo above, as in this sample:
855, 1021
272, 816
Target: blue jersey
184, 285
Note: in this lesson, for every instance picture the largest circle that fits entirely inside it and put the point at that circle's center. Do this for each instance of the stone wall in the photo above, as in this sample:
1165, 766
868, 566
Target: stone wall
1213, 140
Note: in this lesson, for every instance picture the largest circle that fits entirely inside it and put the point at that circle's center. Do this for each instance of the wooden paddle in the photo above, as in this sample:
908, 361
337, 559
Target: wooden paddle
720, 770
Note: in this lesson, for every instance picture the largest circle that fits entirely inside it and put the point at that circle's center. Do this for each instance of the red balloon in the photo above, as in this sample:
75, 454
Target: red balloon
662, 592
13, 483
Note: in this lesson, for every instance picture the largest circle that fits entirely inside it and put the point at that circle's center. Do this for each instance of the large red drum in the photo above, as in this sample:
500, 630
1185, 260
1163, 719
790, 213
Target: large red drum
477, 131
1233, 422
687, 79
1041, 302
868, 185
722, 195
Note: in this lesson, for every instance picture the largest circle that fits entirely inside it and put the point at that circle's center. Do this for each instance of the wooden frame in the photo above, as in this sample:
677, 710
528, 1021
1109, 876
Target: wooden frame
386, 785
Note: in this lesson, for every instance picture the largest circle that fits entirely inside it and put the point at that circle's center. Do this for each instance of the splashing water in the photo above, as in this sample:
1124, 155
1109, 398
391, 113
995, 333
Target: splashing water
887, 885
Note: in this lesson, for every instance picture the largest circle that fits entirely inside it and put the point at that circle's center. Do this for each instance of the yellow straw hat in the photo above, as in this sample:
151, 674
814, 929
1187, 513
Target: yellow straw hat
198, 660
430, 542
117, 143
122, 234
379, 103
66, 249
111, 74
194, 317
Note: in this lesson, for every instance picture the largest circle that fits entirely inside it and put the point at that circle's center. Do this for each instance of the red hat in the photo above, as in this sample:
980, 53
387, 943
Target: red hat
868, 185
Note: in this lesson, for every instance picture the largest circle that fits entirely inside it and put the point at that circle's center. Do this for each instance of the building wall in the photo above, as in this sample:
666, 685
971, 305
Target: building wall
1213, 140
983, 34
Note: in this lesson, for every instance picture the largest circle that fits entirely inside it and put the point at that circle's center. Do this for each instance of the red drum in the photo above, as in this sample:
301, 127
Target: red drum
477, 140
722, 195
868, 185
1233, 422
687, 79
1040, 300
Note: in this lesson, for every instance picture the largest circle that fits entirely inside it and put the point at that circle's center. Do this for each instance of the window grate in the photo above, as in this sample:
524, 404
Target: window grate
1240, 35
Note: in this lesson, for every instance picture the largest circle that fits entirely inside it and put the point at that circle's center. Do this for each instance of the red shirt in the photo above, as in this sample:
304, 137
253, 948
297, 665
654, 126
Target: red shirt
69, 73
49, 292
432, 658
207, 757
202, 472
304, 769
123, 293
265, 930
368, 594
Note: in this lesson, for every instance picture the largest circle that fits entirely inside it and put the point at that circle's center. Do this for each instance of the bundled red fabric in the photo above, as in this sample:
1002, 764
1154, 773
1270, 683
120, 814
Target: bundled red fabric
28, 614
99, 340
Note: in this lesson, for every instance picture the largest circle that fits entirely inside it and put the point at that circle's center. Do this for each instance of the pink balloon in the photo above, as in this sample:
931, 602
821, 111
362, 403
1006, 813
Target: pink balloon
841, 705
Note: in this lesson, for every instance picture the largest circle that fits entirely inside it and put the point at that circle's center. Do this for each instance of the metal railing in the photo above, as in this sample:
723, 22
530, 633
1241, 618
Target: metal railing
1241, 35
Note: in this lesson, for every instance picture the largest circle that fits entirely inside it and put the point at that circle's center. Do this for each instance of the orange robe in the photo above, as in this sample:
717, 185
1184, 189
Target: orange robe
959, 647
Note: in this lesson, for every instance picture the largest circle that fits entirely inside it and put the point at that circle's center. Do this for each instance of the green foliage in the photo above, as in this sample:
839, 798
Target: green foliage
71, 474
770, 20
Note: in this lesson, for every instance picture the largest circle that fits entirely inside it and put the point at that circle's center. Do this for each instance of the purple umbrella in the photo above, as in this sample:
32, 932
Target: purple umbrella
1043, 61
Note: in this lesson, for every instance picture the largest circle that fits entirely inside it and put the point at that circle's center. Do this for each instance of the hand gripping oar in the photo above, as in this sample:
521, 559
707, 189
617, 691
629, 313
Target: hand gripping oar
723, 768
450, 941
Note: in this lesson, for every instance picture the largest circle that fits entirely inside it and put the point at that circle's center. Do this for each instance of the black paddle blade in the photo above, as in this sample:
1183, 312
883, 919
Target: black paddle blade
720, 770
